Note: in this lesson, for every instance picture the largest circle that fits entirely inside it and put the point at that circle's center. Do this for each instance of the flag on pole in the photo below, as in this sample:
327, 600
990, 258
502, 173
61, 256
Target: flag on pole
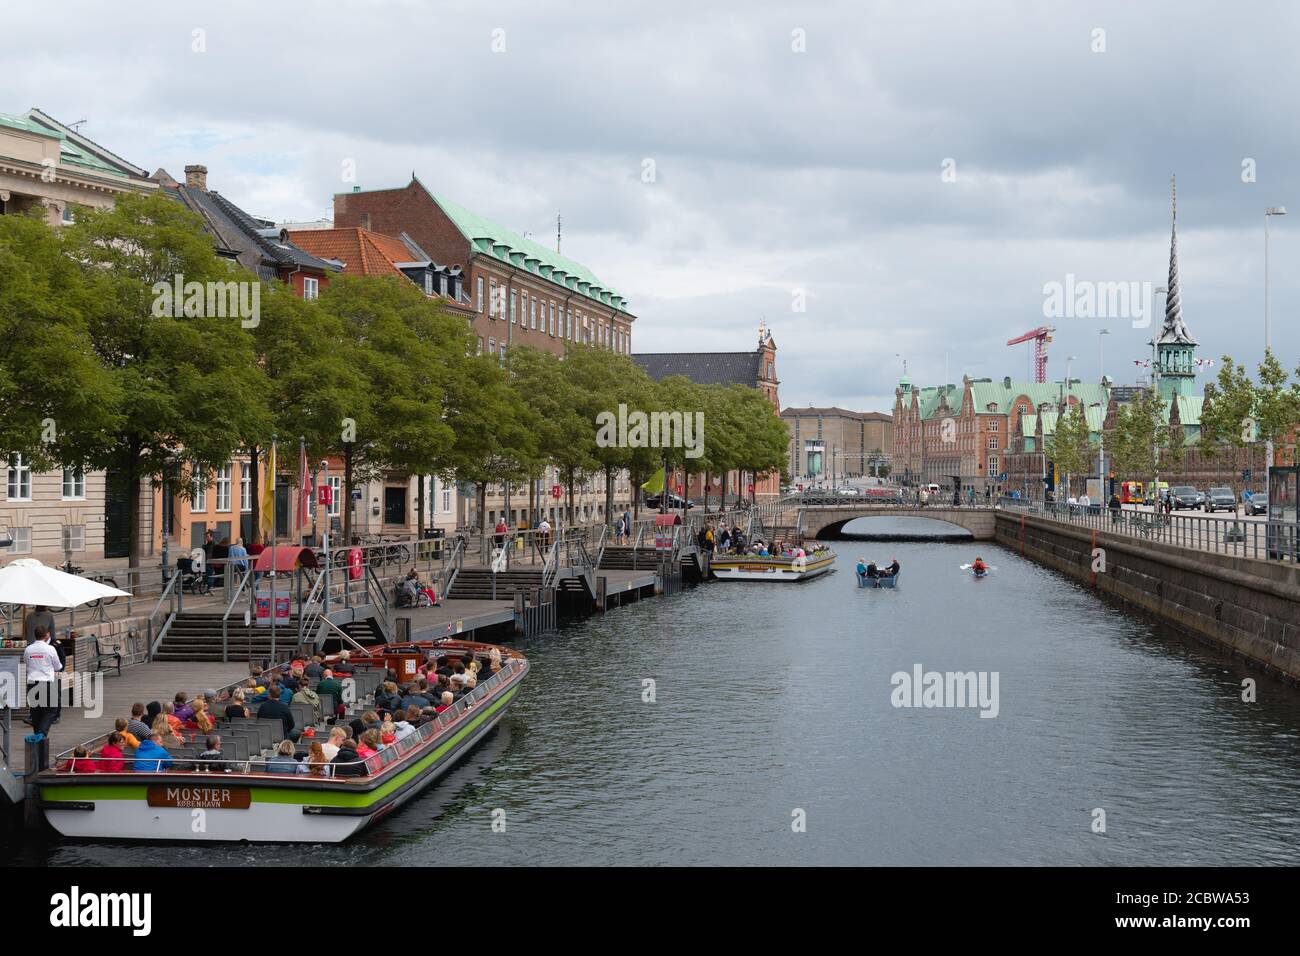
304, 488
267, 529
656, 483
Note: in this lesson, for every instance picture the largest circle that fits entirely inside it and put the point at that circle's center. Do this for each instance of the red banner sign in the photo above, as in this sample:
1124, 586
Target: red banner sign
325, 495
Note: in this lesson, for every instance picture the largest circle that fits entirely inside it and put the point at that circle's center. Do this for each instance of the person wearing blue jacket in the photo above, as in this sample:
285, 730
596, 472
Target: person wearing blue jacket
150, 757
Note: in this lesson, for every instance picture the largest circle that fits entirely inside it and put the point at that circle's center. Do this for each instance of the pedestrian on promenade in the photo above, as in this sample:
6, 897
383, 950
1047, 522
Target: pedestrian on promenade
237, 551
43, 663
1115, 507
209, 543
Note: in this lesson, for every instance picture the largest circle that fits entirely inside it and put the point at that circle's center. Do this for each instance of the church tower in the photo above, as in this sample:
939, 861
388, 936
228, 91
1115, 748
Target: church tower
1175, 348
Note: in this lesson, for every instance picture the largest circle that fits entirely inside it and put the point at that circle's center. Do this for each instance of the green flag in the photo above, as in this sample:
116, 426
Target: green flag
655, 485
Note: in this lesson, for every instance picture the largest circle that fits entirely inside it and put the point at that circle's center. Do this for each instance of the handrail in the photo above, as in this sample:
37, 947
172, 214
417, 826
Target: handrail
225, 618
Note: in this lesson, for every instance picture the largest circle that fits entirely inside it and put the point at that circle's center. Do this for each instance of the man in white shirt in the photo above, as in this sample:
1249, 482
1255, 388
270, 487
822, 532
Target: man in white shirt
43, 664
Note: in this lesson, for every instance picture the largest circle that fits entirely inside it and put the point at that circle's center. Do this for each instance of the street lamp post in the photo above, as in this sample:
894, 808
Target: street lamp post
1268, 444
1101, 434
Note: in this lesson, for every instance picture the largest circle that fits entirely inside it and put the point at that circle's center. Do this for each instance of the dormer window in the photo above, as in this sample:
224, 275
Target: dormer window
428, 284
992, 407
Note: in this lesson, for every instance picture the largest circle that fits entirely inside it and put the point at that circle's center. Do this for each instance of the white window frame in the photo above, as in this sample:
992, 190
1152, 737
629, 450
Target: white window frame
22, 541
73, 537
514, 305
199, 495
223, 486
310, 288
74, 484
492, 299
480, 295
446, 500
19, 485
992, 464
428, 282
245, 486
336, 494
532, 313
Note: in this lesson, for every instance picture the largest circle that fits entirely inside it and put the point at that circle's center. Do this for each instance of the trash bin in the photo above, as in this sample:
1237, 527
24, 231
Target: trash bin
435, 537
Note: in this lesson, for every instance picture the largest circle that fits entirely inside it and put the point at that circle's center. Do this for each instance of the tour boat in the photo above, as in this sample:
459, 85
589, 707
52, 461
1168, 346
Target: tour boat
754, 567
235, 805
885, 581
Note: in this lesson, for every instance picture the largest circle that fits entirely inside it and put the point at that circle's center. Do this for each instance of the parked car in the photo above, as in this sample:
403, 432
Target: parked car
1220, 498
847, 490
1254, 503
1185, 496
675, 502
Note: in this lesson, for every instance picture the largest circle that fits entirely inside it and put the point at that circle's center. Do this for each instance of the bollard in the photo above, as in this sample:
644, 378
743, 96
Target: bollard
37, 756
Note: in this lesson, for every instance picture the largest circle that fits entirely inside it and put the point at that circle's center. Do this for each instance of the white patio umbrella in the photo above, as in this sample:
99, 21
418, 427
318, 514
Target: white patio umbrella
27, 581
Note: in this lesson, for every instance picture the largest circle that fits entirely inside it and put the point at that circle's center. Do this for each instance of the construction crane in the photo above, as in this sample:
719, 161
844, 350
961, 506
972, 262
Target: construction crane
1041, 336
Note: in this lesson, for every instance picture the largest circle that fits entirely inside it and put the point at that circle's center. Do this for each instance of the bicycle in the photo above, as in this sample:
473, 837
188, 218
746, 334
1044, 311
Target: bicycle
107, 580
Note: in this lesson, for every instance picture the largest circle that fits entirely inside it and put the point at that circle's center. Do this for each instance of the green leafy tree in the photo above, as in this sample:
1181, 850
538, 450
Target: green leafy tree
1068, 445
1277, 403
190, 388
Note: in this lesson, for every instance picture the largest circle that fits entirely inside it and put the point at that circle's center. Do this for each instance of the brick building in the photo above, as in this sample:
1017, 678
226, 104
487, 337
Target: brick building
521, 292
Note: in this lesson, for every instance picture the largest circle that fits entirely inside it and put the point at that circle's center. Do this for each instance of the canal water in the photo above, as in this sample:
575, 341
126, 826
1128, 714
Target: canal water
773, 712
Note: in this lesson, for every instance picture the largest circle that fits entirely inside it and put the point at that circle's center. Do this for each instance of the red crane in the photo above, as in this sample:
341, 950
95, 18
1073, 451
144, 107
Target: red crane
1041, 336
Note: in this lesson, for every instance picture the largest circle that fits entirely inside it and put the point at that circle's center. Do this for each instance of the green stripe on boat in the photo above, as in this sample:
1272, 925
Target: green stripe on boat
262, 794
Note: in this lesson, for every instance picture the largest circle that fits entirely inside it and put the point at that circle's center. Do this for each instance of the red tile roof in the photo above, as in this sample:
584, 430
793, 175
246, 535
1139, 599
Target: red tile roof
361, 251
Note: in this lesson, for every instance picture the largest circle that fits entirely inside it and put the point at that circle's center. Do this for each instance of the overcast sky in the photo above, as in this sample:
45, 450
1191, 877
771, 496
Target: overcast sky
913, 173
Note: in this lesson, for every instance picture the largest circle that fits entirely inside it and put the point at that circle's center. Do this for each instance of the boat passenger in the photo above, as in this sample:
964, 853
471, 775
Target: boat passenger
150, 757
273, 706
314, 669
388, 733
136, 724
236, 706
163, 731
448, 698
413, 697
79, 762
862, 566
110, 755
332, 746
305, 695
369, 745
128, 738
169, 711
182, 708
317, 763
343, 667
346, 762
329, 684
212, 753
872, 570
283, 761
979, 567
893, 567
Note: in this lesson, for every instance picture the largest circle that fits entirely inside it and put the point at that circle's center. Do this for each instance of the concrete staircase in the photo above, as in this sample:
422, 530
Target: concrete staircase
477, 584
196, 636
618, 558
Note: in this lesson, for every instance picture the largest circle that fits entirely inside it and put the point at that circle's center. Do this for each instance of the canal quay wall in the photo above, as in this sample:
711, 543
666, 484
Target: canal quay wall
1246, 606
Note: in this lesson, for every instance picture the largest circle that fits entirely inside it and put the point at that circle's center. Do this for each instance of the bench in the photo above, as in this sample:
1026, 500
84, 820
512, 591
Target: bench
100, 657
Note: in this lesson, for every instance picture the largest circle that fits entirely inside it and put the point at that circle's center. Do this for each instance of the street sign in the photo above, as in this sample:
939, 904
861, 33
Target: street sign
356, 494
325, 495
556, 491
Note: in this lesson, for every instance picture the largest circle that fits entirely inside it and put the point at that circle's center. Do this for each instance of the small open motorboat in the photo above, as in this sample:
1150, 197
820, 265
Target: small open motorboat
753, 567
880, 581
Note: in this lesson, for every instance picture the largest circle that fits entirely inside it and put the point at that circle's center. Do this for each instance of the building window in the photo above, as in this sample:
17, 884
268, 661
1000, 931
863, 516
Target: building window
428, 283
446, 500
442, 286
993, 465
532, 314
336, 495
69, 217
480, 346
199, 493
74, 484
74, 537
223, 488
552, 318
993, 442
492, 300
245, 487
492, 346
20, 479
993, 425
310, 288
514, 298
22, 541
480, 295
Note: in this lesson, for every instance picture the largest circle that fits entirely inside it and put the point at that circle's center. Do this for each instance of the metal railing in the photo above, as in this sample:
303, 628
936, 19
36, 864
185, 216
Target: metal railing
1238, 536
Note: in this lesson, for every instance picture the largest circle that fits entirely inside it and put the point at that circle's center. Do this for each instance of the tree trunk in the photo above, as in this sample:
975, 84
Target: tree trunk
482, 507
609, 495
569, 483
134, 540
532, 503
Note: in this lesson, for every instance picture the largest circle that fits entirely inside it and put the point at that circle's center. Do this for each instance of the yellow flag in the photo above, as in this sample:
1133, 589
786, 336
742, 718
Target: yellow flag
268, 495
656, 483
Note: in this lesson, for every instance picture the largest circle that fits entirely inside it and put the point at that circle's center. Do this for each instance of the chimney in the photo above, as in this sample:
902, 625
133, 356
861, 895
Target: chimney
196, 177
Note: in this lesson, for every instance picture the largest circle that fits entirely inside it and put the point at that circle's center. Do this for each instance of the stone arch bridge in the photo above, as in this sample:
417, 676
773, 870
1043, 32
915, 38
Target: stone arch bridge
828, 521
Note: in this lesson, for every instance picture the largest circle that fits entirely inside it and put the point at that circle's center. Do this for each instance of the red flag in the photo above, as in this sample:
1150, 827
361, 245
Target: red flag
304, 489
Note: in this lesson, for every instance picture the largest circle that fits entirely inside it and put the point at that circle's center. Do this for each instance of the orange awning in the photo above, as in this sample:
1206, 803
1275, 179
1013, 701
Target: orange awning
287, 558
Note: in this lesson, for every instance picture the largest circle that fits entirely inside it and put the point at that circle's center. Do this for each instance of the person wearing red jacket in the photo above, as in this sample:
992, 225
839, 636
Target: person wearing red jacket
111, 756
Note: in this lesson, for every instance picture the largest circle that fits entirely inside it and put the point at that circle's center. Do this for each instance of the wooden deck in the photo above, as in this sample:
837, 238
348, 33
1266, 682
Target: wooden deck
455, 616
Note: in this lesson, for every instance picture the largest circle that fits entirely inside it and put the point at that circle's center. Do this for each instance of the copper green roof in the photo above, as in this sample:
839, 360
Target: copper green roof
70, 153
985, 393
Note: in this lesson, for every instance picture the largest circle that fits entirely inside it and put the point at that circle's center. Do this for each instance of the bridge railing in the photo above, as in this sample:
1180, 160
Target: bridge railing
1233, 535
